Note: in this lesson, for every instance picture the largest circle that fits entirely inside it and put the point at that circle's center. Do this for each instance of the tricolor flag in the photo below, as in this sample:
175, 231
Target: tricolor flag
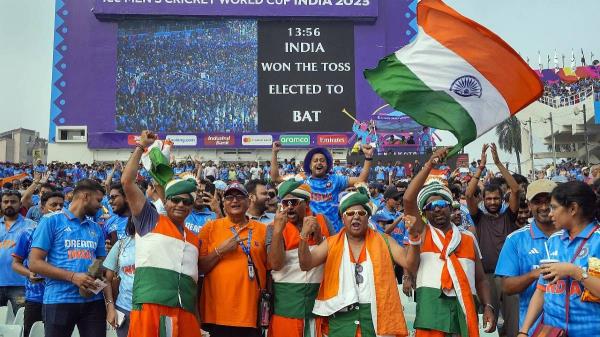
456, 76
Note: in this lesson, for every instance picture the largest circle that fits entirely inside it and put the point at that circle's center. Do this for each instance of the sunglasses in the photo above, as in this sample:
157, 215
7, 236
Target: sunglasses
185, 201
351, 214
292, 202
358, 268
272, 195
437, 203
236, 197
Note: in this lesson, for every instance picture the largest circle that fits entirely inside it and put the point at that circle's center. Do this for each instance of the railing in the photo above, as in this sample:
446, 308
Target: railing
560, 101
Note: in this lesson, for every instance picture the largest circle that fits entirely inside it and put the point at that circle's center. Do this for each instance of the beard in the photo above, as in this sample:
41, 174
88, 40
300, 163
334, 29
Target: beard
9, 212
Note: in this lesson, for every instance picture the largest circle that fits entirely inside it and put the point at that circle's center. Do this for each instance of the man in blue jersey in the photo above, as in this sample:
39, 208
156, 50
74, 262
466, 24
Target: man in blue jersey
65, 244
117, 223
519, 260
325, 187
205, 207
12, 225
34, 286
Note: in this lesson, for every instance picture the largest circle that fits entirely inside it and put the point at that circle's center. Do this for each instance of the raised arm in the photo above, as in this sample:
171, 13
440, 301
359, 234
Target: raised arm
109, 178
513, 201
275, 178
276, 255
135, 196
472, 187
368, 150
309, 259
26, 197
410, 196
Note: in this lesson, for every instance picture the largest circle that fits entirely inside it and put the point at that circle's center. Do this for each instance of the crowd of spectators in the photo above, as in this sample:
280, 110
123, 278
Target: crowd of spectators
186, 76
487, 201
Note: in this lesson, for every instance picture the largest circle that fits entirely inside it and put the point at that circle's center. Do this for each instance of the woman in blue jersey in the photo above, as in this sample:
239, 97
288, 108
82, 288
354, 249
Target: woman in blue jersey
569, 287
120, 263
325, 187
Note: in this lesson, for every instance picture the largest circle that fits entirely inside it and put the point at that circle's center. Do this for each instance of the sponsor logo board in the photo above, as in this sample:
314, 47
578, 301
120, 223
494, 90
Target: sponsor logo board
294, 139
132, 139
328, 140
219, 140
263, 140
183, 140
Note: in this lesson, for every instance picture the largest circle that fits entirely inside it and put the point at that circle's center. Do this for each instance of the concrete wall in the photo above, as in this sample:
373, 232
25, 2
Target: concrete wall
7, 150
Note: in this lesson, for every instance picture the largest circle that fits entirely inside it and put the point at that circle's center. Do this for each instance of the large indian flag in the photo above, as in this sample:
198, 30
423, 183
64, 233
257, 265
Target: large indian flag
456, 75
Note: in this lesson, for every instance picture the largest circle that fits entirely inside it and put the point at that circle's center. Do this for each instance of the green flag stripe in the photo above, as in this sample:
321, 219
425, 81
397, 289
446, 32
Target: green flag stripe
162, 286
295, 300
404, 91
436, 311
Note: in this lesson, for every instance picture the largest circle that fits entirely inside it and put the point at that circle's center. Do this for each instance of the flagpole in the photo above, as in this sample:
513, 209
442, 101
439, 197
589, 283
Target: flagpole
349, 115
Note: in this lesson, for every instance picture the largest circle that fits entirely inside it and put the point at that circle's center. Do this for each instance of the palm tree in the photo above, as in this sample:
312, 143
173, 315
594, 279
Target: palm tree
509, 137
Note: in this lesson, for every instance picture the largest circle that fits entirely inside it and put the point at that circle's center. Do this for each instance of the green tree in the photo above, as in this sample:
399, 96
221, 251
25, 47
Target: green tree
509, 138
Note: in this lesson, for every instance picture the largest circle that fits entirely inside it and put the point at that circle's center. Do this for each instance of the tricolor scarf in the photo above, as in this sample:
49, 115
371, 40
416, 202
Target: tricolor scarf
454, 277
338, 288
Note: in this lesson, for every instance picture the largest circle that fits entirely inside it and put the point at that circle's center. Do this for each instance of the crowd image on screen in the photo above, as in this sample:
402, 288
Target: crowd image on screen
185, 76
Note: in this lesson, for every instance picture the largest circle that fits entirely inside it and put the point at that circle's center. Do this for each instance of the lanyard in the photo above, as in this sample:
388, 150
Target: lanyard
246, 250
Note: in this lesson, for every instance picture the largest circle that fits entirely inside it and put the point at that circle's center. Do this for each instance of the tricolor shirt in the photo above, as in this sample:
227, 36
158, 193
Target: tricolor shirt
166, 262
324, 197
71, 245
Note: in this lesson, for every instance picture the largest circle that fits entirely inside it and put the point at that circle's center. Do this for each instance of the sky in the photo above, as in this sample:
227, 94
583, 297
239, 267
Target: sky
26, 33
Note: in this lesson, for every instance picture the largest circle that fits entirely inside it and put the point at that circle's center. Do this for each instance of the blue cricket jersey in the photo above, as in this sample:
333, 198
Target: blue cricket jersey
324, 197
8, 243
521, 253
197, 219
71, 245
584, 317
34, 292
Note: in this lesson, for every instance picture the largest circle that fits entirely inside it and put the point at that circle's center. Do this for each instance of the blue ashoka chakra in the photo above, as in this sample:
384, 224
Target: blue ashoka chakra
466, 86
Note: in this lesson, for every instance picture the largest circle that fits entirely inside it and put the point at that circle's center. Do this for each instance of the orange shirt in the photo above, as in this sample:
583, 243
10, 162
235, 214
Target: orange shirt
228, 296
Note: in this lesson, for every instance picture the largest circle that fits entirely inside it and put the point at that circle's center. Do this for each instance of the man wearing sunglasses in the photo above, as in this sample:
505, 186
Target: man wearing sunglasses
116, 224
325, 187
166, 276
294, 290
449, 272
359, 292
233, 259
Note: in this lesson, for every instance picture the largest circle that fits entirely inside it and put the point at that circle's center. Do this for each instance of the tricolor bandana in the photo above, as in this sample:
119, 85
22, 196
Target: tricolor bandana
180, 186
360, 197
295, 187
431, 188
